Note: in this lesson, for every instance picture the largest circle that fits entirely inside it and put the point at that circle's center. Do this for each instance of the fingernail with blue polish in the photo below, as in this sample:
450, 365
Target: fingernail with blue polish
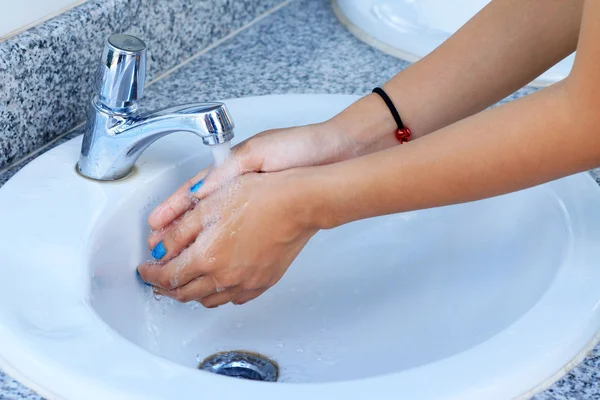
141, 279
159, 251
194, 188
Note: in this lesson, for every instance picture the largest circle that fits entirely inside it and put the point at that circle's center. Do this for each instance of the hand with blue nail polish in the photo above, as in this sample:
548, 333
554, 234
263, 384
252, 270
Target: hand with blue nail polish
236, 243
261, 226
269, 151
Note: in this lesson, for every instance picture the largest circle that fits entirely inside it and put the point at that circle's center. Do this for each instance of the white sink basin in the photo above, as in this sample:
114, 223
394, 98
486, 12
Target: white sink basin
494, 299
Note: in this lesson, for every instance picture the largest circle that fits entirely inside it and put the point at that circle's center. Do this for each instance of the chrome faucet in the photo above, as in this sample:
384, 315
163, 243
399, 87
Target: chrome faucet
116, 133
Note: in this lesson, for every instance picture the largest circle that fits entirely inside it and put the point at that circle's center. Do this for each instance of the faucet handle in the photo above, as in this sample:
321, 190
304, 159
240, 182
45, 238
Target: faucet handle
122, 71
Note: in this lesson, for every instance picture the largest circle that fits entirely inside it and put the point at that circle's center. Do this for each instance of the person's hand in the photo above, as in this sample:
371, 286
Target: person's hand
244, 237
269, 151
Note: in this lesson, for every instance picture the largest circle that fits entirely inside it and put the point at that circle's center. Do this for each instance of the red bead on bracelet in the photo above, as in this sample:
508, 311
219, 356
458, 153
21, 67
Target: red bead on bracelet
403, 135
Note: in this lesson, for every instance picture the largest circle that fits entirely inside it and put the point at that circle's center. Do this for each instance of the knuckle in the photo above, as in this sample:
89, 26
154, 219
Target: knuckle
247, 286
225, 281
177, 235
244, 149
254, 283
164, 281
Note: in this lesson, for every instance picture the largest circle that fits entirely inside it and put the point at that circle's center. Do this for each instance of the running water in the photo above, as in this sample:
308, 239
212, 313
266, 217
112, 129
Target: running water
221, 152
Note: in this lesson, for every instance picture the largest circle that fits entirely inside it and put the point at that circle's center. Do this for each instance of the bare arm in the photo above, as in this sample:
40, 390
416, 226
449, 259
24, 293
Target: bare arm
552, 133
504, 47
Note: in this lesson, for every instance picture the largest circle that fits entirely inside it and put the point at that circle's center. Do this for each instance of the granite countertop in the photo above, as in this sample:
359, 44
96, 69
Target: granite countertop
300, 48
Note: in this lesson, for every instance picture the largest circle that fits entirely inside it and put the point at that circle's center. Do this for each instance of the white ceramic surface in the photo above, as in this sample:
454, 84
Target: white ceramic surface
487, 300
411, 29
18, 15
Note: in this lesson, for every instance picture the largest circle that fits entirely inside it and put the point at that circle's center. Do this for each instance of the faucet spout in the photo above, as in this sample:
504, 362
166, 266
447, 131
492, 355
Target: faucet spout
117, 134
114, 140
210, 121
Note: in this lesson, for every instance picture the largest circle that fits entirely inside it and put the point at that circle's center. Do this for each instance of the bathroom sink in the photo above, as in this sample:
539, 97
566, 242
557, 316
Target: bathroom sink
494, 299
410, 29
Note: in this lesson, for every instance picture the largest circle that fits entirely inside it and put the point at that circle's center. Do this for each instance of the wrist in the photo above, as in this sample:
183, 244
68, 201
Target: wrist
367, 124
310, 198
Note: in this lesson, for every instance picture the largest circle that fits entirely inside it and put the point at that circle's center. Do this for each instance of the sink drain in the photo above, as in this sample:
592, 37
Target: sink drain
241, 364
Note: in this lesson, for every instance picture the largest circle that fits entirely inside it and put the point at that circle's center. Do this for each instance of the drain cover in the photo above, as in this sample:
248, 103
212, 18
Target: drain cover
241, 364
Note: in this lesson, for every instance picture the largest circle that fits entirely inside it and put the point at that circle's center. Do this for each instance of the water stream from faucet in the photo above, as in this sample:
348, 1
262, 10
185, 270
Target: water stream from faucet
221, 152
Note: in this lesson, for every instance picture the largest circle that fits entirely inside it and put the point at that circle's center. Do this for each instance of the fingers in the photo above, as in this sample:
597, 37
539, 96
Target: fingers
168, 243
247, 296
178, 272
199, 187
203, 290
176, 204
218, 299
241, 161
156, 236
197, 289
218, 176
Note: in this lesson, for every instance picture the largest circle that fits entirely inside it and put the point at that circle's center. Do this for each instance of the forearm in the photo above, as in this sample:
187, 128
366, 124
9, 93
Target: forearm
518, 145
501, 49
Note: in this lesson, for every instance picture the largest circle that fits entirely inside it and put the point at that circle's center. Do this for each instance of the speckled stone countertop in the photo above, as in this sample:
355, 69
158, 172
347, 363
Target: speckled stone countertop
301, 48
46, 72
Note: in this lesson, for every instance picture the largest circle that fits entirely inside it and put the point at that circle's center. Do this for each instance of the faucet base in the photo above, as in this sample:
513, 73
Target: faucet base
104, 178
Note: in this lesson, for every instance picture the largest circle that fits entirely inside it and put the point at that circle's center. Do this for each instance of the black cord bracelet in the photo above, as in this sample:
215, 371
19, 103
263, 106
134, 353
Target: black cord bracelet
403, 134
